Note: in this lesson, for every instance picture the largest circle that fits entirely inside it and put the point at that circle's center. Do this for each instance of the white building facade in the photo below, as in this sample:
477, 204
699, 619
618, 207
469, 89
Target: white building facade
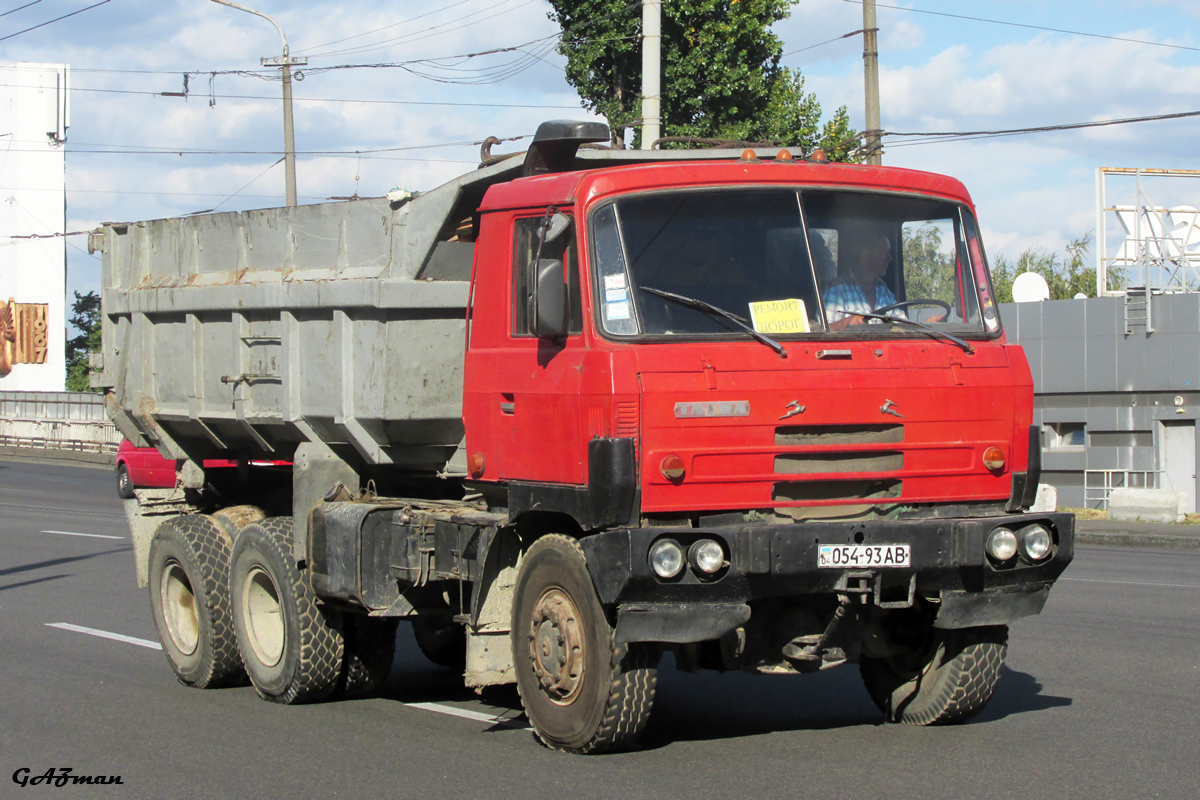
34, 117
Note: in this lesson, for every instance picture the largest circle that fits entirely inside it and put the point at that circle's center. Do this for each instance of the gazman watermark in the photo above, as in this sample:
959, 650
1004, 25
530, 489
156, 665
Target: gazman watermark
59, 777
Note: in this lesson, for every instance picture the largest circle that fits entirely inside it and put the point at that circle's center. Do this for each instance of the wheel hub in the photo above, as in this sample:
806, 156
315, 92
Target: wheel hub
178, 604
262, 615
556, 646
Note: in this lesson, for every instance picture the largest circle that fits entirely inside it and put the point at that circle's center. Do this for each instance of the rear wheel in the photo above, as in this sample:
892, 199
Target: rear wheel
291, 644
581, 693
949, 678
443, 642
124, 483
189, 599
370, 650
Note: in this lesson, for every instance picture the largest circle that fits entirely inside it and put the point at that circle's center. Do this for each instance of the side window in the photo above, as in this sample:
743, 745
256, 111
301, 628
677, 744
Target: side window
525, 250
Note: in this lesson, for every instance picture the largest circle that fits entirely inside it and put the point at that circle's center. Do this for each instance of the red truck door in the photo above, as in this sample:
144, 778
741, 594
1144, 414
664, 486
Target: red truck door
522, 404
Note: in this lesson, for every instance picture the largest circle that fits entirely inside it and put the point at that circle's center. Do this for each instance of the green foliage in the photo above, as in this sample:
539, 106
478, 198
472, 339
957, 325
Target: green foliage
1066, 275
928, 269
721, 73
85, 317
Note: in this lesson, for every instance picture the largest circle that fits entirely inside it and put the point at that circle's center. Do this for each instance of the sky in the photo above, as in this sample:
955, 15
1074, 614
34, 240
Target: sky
133, 153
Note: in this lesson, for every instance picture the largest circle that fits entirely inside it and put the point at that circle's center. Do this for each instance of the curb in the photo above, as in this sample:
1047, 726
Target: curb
1137, 540
49, 454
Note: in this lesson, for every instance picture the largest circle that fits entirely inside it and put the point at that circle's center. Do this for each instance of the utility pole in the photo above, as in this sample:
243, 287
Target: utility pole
286, 62
871, 80
651, 72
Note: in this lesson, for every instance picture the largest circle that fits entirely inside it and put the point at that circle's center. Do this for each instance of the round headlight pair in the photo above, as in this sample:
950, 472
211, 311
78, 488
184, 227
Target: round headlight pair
1033, 542
667, 558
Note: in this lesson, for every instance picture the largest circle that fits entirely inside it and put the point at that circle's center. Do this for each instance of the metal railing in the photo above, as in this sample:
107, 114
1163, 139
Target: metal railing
1097, 491
56, 421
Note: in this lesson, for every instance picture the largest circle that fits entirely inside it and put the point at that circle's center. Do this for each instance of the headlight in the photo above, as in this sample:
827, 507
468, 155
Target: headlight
666, 558
707, 556
1001, 545
1036, 543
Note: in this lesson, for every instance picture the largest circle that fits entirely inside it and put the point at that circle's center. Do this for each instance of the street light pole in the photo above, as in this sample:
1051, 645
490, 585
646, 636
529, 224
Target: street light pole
286, 62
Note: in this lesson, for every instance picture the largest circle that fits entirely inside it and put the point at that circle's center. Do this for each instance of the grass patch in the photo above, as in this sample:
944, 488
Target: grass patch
1094, 513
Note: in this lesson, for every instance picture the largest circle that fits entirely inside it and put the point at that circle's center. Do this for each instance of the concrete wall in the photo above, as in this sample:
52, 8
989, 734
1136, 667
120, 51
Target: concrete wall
1130, 391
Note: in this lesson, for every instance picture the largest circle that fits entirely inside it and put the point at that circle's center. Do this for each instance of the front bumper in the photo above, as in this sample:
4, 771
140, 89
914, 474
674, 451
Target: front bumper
948, 567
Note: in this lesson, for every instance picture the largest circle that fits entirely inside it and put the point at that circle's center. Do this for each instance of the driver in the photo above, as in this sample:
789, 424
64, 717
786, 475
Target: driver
860, 288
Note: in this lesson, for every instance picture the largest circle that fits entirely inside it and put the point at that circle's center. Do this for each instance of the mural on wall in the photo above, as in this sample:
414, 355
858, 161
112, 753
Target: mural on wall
23, 336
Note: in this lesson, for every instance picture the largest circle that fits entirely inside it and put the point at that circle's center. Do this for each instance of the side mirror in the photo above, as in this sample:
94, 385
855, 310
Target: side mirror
550, 300
559, 224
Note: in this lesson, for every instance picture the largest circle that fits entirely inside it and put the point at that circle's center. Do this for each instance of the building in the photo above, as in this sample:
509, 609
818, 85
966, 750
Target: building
34, 116
1116, 395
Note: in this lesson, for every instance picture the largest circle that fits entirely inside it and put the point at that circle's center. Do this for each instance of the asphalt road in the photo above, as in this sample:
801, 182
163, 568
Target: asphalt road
1100, 698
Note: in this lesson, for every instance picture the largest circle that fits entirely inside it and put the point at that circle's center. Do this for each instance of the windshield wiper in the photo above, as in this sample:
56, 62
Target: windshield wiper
709, 308
934, 332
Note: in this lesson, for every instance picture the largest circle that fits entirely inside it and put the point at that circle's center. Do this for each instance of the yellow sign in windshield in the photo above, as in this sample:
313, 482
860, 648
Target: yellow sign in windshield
779, 316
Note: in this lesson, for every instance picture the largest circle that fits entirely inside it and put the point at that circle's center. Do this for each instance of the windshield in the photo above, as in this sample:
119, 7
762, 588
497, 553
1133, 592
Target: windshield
788, 263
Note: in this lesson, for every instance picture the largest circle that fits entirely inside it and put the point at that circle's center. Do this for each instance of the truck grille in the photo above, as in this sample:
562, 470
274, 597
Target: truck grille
823, 491
816, 463
839, 434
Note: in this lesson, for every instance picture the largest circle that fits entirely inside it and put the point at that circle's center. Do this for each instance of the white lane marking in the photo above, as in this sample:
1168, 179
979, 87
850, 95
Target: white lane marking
116, 637
89, 535
477, 716
1136, 583
57, 510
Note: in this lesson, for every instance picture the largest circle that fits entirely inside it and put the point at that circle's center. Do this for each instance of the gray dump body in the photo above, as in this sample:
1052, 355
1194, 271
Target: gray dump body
252, 332
339, 323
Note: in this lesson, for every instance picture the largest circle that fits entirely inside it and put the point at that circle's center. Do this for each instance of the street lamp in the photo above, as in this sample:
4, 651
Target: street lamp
286, 62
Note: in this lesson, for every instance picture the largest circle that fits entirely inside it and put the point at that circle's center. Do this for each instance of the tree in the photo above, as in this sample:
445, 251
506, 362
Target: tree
85, 317
1066, 275
721, 73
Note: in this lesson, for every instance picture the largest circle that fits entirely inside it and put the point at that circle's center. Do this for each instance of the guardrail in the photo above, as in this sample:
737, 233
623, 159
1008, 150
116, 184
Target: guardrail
72, 421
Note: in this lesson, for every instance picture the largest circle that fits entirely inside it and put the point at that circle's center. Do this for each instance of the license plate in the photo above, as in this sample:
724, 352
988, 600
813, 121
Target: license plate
841, 556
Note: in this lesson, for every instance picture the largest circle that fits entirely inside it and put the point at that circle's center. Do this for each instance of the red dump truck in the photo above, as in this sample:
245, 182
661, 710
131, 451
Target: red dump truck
579, 409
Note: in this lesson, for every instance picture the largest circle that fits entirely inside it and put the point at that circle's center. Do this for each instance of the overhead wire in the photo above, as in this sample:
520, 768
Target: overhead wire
325, 99
18, 8
931, 137
56, 19
377, 30
822, 44
435, 30
1030, 26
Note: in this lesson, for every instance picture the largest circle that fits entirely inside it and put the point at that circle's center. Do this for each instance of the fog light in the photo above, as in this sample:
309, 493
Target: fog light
1002, 544
707, 556
666, 558
672, 468
1036, 543
993, 458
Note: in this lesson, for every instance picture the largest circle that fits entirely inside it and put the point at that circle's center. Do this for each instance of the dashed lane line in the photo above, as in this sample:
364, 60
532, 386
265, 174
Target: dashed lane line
58, 510
89, 535
1135, 583
478, 716
437, 708
116, 637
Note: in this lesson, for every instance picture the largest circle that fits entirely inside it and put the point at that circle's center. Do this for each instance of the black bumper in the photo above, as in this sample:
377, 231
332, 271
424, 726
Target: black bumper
948, 566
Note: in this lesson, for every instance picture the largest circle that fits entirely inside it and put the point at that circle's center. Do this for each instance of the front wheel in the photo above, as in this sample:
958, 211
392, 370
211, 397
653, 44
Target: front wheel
948, 679
581, 693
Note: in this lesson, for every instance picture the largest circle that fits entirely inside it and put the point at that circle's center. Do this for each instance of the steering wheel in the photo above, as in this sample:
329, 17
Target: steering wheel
921, 301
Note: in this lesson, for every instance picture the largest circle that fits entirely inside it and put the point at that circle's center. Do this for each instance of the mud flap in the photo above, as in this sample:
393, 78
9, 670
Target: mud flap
993, 607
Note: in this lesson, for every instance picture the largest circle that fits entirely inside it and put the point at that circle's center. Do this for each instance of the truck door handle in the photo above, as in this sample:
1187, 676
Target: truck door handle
507, 404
